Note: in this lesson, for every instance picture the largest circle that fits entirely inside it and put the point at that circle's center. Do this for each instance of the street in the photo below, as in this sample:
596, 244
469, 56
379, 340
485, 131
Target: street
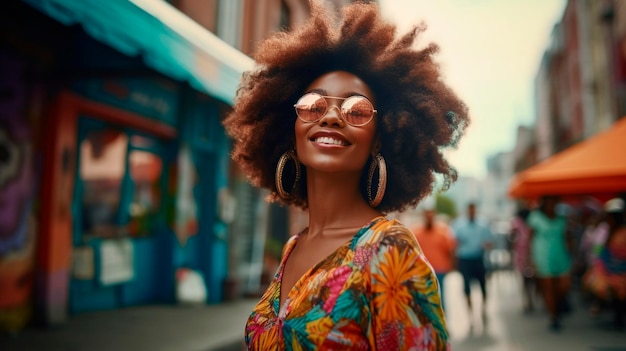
509, 329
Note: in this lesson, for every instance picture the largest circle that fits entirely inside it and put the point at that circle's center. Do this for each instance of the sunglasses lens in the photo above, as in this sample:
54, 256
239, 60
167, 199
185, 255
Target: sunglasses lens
357, 110
311, 107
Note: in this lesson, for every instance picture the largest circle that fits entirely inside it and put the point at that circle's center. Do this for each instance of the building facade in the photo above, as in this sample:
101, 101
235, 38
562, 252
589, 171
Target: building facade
580, 85
115, 170
115, 167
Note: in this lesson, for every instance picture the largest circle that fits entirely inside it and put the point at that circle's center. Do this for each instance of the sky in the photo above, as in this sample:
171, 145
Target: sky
490, 51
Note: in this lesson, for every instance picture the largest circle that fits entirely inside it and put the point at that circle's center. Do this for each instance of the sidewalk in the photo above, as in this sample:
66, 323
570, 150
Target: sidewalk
156, 328
508, 329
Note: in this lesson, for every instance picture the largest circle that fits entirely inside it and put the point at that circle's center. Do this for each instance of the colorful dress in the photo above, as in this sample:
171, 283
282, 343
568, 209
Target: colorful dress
521, 247
549, 245
375, 292
607, 274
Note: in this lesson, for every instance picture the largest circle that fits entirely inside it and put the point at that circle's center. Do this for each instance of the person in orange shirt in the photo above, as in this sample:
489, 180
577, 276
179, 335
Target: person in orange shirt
438, 244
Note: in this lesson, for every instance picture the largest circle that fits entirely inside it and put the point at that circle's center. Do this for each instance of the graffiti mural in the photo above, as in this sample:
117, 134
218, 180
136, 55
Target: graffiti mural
17, 197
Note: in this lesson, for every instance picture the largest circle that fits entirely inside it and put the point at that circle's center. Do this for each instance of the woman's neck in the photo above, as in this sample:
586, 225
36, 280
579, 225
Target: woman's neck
336, 204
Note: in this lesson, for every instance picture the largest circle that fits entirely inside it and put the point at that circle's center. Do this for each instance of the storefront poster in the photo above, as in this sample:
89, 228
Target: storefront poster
116, 261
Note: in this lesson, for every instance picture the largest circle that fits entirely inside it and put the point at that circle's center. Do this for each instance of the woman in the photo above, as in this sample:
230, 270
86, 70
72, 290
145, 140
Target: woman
606, 278
520, 233
347, 123
551, 249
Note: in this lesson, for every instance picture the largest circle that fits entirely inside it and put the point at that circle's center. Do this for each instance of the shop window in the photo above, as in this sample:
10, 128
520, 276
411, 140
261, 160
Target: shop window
145, 171
102, 168
120, 183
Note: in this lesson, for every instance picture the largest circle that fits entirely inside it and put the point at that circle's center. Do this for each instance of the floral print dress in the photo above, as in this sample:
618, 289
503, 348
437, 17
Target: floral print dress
376, 292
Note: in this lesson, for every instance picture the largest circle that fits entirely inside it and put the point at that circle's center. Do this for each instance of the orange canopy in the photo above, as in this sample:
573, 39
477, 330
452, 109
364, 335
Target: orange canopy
596, 166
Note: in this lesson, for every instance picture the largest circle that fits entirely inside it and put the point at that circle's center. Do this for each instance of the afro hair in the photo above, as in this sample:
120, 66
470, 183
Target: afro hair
418, 114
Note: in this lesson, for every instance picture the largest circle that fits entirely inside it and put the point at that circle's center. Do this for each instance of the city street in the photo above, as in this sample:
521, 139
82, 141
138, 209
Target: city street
509, 329
149, 178
220, 327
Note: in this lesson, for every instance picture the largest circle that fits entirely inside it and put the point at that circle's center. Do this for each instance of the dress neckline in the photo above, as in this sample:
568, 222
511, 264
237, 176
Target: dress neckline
281, 311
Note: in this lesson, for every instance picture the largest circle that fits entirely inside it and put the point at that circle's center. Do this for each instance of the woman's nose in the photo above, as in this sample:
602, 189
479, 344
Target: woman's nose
332, 116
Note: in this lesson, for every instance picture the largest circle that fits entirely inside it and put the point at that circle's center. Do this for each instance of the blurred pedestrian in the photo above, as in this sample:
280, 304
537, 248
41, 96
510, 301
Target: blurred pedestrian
474, 240
590, 246
520, 235
551, 249
607, 276
593, 239
438, 244
347, 121
584, 221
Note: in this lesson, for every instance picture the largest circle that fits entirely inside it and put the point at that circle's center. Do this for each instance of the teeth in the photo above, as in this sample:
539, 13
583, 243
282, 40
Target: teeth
329, 140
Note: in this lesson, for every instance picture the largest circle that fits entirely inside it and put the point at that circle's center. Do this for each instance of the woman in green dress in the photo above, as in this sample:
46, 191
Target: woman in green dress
550, 251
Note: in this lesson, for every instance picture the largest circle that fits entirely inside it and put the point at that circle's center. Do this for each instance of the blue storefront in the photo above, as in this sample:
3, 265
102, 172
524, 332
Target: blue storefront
135, 164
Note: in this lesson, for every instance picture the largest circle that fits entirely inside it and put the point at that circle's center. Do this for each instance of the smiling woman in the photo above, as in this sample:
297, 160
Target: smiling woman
348, 122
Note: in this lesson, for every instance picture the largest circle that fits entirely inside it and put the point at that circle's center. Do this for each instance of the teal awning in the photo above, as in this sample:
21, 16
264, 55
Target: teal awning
169, 41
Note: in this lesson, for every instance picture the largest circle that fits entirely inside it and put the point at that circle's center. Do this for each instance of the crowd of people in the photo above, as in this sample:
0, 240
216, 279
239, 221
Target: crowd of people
560, 246
556, 246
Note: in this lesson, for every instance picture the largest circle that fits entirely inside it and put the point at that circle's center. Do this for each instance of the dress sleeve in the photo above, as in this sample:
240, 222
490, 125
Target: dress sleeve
405, 302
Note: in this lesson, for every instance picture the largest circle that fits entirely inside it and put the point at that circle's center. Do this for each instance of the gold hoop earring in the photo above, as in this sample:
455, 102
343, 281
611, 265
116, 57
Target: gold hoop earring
377, 162
291, 154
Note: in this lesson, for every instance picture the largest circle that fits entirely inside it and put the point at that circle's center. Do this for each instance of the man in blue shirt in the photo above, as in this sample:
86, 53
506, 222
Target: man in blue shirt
473, 239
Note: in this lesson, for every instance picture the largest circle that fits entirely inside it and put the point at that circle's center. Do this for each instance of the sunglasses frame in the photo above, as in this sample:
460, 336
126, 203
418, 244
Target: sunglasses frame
328, 107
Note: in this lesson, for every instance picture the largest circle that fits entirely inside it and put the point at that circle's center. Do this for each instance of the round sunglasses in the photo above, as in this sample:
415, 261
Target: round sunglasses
355, 110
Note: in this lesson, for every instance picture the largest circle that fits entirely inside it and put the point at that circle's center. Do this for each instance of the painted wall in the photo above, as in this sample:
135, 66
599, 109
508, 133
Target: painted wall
18, 197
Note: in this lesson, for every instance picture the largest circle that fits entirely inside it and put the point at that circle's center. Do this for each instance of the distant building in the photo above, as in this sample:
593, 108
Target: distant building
580, 85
